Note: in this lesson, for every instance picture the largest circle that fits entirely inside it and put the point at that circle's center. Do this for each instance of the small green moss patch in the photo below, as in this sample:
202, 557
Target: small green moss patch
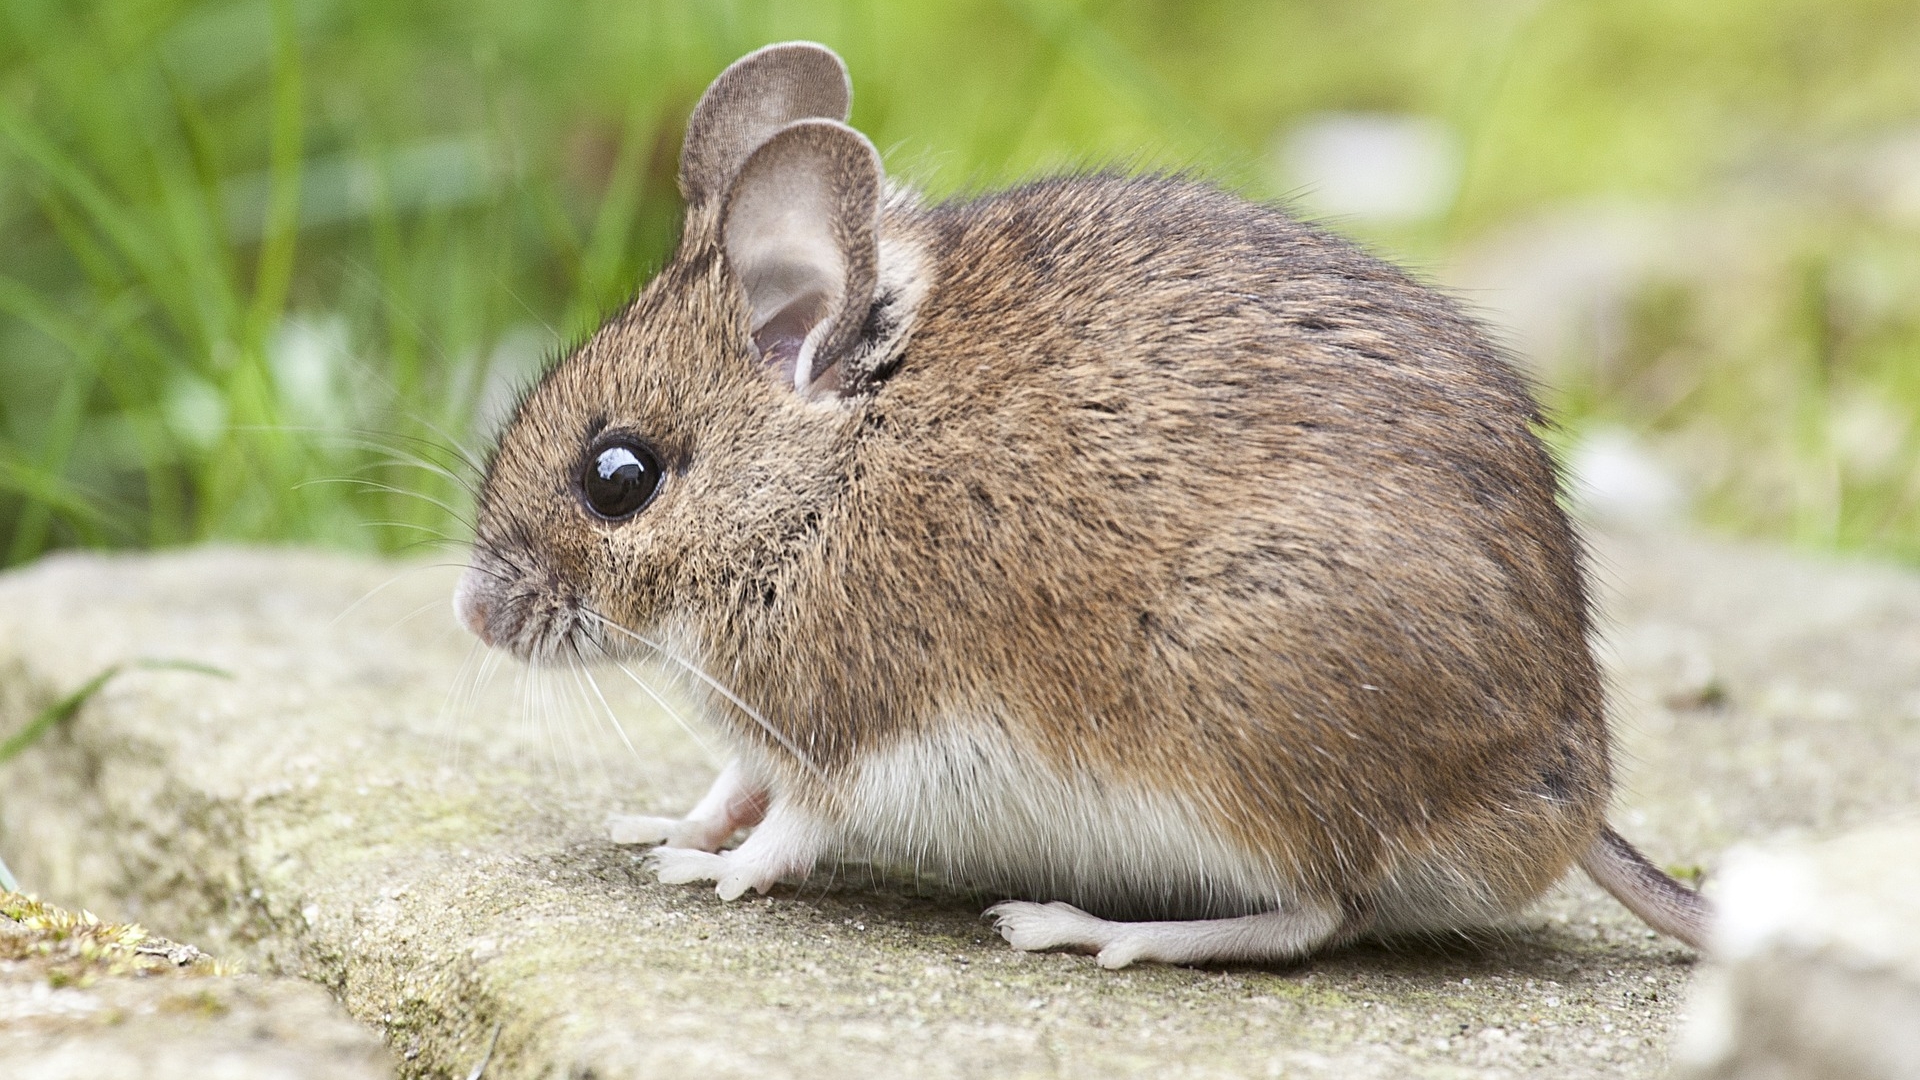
69, 949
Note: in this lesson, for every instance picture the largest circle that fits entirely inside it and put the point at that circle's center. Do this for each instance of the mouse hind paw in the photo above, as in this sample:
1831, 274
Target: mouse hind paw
1273, 936
1031, 927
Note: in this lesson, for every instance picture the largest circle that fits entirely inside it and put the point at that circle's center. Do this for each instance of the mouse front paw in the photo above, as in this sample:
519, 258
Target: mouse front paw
684, 866
731, 873
634, 829
698, 834
784, 847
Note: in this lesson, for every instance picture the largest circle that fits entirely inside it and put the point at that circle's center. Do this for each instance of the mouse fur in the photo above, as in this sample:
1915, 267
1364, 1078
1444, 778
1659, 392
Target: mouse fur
1114, 543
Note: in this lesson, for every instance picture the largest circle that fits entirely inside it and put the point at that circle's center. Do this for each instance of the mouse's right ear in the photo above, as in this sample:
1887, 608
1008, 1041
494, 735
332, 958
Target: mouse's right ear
800, 227
756, 96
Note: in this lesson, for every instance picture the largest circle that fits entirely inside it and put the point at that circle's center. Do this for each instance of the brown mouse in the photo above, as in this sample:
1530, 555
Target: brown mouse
1111, 543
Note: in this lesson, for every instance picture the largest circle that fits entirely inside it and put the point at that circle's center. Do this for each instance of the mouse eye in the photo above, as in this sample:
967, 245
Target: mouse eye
619, 479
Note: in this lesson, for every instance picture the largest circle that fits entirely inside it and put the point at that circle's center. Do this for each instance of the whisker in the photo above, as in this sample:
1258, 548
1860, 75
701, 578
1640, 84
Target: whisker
377, 589
395, 461
490, 661
430, 542
536, 722
453, 447
370, 439
618, 727
459, 693
665, 705
778, 736
585, 698
412, 615
390, 301
401, 457
375, 485
374, 523
555, 701
558, 340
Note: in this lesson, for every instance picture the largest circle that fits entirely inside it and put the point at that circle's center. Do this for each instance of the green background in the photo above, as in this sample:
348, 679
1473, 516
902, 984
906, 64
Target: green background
265, 267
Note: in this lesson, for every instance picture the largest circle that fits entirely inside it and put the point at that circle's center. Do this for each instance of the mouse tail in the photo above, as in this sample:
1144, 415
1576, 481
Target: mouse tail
1663, 903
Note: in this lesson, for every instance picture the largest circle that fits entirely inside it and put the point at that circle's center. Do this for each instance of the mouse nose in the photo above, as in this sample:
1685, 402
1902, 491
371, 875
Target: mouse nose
470, 604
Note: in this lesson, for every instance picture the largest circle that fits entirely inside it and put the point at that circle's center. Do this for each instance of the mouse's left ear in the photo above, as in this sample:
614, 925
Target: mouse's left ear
757, 95
800, 228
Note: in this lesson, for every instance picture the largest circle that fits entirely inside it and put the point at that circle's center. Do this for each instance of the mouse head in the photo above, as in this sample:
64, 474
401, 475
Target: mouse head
671, 468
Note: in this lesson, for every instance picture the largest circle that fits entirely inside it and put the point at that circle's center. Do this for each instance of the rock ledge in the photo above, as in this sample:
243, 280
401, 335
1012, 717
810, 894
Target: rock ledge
368, 803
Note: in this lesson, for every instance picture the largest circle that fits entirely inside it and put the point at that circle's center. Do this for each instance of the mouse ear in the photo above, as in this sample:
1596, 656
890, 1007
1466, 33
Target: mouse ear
757, 95
800, 227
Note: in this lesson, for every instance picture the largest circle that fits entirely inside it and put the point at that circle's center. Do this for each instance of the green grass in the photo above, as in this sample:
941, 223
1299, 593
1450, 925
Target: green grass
255, 247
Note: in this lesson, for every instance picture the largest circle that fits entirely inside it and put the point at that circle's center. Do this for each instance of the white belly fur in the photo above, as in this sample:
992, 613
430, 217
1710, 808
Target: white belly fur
972, 807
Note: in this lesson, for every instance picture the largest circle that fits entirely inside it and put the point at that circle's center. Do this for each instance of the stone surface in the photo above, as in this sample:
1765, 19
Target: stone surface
371, 802
82, 999
1817, 963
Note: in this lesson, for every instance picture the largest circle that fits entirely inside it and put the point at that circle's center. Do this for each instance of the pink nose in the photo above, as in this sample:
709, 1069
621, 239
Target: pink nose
470, 604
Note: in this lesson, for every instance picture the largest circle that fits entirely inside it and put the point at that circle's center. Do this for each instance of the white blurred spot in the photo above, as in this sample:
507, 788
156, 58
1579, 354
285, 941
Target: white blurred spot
515, 364
196, 411
1764, 898
306, 356
1710, 1030
1891, 175
1377, 167
1870, 434
1611, 477
1557, 287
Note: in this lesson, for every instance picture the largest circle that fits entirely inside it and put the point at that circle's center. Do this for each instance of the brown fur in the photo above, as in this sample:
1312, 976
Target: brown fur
1189, 495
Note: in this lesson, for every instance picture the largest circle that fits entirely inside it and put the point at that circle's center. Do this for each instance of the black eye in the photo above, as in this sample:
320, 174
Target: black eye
619, 479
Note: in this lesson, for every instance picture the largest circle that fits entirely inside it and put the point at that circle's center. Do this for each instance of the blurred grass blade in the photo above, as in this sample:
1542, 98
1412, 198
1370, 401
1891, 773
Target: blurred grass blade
274, 272
1063, 23
37, 486
64, 709
429, 175
111, 216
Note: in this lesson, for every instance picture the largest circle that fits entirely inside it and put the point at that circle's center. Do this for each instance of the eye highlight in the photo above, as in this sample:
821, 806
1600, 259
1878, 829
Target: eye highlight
620, 478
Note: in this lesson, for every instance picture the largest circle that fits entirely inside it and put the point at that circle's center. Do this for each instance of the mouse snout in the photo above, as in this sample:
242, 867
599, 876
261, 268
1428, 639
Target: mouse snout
470, 604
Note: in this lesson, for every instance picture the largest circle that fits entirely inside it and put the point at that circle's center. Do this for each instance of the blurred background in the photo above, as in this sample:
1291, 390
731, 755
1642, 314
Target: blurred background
267, 265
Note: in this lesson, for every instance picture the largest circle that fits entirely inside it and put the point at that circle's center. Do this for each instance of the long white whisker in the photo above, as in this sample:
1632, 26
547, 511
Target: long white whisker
430, 605
778, 736
389, 300
434, 534
377, 589
558, 340
395, 457
490, 661
594, 685
557, 710
370, 439
458, 692
657, 700
535, 731
392, 489
396, 461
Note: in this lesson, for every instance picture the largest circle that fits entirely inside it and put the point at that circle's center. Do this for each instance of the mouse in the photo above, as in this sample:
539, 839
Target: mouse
1142, 555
